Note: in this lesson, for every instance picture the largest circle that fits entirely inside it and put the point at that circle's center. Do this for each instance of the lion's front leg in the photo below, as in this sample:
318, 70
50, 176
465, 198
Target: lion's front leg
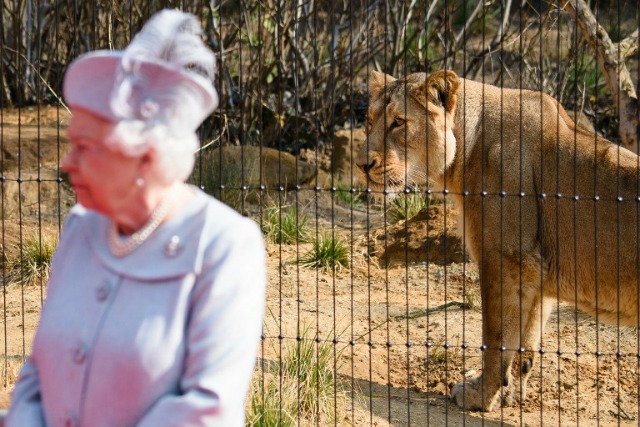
505, 313
533, 330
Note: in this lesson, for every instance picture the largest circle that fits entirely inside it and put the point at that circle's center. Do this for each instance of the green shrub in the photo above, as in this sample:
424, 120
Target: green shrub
328, 252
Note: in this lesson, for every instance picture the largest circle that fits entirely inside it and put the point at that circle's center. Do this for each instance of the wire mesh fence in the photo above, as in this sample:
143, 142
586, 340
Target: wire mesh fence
448, 192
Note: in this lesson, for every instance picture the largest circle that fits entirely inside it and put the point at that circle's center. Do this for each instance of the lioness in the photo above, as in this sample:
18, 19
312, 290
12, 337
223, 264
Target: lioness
549, 209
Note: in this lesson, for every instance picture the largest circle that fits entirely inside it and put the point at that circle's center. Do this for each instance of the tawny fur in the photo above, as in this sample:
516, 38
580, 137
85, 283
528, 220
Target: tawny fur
558, 218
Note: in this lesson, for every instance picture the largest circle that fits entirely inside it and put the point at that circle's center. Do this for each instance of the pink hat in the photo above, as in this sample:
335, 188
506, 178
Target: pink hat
164, 76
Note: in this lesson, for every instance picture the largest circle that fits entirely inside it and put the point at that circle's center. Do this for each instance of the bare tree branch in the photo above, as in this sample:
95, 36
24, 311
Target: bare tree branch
612, 64
629, 46
468, 23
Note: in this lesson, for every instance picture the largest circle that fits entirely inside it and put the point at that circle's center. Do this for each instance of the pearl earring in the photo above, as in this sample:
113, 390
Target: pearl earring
139, 181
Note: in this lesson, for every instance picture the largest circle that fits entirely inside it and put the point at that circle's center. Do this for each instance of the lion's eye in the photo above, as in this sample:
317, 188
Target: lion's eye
397, 122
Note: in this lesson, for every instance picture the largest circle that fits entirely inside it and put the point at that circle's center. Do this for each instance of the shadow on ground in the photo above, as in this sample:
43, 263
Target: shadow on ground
401, 407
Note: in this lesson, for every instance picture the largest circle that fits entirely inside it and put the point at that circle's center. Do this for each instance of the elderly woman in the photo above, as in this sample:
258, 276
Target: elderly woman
156, 297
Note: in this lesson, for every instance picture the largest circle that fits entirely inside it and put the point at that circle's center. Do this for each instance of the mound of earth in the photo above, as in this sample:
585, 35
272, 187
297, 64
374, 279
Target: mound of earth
421, 239
258, 166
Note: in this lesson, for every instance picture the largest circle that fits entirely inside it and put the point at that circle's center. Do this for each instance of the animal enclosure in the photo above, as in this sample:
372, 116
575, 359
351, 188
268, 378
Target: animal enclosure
399, 214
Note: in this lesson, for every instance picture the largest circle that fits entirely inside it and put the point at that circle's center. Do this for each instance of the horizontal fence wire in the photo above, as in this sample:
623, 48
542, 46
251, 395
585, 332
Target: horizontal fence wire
479, 270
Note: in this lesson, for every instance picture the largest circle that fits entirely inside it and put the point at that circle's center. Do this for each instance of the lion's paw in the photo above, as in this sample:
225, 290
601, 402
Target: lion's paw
515, 393
468, 395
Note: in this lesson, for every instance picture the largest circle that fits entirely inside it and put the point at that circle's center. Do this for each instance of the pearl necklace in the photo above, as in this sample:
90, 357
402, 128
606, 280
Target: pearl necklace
122, 246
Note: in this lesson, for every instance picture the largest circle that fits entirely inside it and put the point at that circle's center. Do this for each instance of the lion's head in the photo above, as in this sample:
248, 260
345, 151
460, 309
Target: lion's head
410, 130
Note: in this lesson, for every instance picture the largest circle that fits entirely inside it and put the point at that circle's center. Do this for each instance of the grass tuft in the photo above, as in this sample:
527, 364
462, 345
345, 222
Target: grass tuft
471, 300
310, 363
285, 225
438, 354
345, 197
328, 252
405, 206
304, 385
32, 263
272, 405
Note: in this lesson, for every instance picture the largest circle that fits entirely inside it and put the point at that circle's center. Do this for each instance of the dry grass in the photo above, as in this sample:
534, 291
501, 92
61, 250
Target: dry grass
303, 387
31, 263
285, 225
271, 403
9, 370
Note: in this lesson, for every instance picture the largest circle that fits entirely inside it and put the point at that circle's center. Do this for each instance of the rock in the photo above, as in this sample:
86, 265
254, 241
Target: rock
420, 239
252, 167
318, 158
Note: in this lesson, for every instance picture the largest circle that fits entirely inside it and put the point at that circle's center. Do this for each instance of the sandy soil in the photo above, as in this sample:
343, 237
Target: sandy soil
393, 369
397, 384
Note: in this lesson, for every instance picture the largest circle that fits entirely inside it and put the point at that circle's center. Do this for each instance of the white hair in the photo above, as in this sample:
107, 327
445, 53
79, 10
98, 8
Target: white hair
160, 123
175, 154
163, 89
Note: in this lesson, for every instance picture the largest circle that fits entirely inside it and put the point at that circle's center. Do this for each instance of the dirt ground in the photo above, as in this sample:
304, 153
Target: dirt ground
395, 367
402, 385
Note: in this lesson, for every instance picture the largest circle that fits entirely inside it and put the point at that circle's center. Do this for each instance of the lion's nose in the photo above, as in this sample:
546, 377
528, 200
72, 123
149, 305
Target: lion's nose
366, 167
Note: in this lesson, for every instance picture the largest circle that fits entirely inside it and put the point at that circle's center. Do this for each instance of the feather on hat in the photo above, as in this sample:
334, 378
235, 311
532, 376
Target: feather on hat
164, 76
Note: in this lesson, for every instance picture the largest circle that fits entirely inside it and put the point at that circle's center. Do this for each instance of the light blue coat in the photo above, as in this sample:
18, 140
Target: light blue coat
166, 336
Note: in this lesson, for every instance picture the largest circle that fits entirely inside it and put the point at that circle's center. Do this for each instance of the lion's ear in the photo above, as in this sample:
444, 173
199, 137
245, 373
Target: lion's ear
440, 88
377, 83
444, 87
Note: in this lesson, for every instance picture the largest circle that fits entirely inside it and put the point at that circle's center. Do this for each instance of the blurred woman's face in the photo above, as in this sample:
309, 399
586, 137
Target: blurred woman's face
102, 178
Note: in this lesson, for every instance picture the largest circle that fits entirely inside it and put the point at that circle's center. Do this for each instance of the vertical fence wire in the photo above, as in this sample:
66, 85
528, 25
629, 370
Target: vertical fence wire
5, 360
462, 208
575, 256
596, 199
521, 348
352, 192
291, 76
368, 240
637, 337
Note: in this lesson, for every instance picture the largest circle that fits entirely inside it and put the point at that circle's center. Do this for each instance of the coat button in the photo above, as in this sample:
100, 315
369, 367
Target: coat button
79, 354
70, 421
102, 293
